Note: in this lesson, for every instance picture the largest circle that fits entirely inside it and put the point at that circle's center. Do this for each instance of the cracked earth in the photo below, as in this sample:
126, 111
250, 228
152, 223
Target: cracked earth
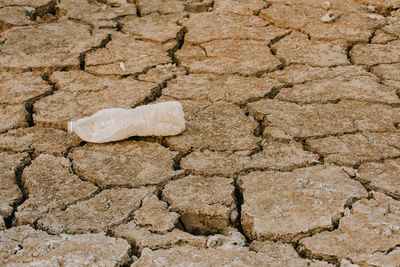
290, 157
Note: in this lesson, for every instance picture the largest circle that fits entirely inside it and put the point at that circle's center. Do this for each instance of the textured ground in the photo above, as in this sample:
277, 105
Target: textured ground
291, 155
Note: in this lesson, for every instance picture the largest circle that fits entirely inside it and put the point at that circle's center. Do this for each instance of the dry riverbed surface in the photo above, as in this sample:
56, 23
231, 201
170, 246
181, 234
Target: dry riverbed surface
290, 157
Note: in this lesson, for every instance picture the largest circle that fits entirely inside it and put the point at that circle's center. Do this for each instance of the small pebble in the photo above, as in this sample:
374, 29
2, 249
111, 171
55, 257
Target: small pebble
329, 17
375, 16
372, 9
30, 12
29, 9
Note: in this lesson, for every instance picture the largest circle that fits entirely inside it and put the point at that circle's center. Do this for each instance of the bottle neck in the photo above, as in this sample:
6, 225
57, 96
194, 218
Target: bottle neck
70, 126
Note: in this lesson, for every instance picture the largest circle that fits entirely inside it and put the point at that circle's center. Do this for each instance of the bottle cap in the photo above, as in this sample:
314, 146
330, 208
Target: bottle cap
70, 126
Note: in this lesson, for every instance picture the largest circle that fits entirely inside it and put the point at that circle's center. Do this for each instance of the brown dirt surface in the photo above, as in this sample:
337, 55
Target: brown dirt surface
290, 155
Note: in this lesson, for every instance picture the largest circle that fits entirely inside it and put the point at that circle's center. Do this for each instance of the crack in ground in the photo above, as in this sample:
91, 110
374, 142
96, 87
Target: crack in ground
259, 146
386, 252
133, 253
259, 130
178, 158
256, 74
245, 170
258, 11
129, 218
269, 44
18, 180
308, 255
180, 39
83, 179
262, 125
303, 234
39, 12
71, 148
9, 222
373, 34
155, 93
370, 188
238, 198
367, 184
82, 56
29, 107
306, 147
30, 103
316, 137
132, 256
295, 239
138, 8
357, 165
340, 99
348, 53
49, 8
305, 253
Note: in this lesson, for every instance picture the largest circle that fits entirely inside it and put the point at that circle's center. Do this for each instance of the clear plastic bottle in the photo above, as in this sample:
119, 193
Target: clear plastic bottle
162, 119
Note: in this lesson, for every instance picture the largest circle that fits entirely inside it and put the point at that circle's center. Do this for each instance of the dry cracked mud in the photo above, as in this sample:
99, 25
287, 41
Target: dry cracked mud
290, 156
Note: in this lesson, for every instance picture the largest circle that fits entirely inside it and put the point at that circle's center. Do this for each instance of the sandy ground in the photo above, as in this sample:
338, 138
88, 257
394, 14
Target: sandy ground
290, 157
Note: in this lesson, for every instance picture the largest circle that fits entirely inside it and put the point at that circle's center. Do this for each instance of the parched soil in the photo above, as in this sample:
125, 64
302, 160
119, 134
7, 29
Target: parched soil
290, 157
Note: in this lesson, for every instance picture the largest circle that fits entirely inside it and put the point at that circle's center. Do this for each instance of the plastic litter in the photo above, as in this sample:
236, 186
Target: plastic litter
163, 119
122, 66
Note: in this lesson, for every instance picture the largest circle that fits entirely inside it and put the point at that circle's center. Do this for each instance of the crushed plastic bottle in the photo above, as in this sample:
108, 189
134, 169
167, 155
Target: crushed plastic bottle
163, 119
